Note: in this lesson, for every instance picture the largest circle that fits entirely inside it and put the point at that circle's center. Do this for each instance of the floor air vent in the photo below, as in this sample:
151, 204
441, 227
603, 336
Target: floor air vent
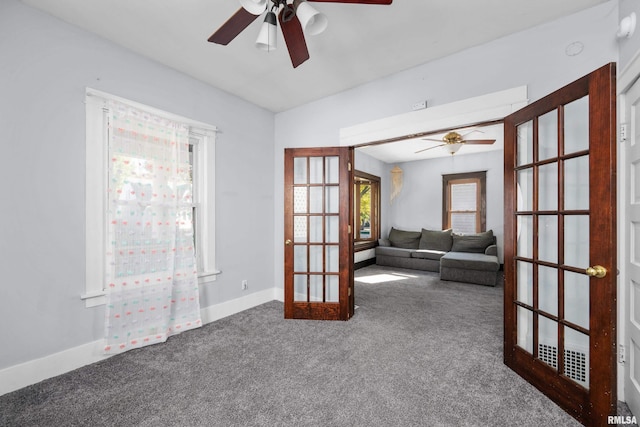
548, 354
576, 364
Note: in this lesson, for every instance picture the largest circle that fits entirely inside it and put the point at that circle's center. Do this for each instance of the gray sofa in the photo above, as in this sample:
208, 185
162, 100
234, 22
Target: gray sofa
471, 258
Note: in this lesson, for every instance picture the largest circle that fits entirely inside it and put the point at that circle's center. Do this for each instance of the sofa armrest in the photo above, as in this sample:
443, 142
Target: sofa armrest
491, 250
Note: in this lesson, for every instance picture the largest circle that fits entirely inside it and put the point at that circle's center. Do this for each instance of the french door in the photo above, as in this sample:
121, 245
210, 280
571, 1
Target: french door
318, 224
560, 246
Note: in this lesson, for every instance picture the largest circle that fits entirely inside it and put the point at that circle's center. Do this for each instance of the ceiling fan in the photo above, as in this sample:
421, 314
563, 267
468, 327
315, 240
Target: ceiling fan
452, 142
294, 17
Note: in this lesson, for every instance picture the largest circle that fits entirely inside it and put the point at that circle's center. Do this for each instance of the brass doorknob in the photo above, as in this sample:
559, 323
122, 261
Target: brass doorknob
288, 242
596, 271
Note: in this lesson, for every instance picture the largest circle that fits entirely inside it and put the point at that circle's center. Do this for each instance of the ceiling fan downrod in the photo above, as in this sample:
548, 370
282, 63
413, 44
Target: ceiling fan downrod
288, 10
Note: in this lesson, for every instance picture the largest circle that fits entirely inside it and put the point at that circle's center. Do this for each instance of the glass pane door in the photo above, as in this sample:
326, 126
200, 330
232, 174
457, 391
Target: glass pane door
560, 246
318, 254
315, 231
553, 239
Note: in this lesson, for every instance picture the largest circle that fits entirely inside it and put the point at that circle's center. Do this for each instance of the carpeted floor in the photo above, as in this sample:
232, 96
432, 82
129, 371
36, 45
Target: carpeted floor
418, 352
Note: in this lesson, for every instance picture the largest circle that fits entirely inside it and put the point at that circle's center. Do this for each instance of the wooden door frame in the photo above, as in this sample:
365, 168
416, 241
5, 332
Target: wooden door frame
600, 86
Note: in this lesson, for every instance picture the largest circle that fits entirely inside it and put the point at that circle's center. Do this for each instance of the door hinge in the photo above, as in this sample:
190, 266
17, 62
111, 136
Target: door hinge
622, 357
349, 291
349, 228
349, 166
623, 132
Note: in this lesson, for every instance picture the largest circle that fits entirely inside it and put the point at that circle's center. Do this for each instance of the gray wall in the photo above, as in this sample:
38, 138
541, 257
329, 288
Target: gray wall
46, 65
419, 204
535, 57
629, 47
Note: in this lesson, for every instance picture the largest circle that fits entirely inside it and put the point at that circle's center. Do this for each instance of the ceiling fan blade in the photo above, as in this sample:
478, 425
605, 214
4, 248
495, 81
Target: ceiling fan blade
294, 38
470, 132
479, 141
234, 26
430, 148
355, 1
431, 139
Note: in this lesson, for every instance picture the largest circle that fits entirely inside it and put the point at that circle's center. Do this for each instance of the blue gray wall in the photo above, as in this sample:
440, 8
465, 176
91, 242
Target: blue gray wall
45, 67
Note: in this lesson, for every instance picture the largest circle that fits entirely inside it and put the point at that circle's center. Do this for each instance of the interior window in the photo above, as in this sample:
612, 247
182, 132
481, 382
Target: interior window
366, 209
464, 202
200, 180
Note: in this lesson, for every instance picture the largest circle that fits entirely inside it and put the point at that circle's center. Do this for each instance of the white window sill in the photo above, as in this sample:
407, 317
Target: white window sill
208, 277
94, 299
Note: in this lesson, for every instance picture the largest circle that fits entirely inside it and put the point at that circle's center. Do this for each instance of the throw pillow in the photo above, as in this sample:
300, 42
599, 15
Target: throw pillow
404, 239
474, 243
384, 242
436, 240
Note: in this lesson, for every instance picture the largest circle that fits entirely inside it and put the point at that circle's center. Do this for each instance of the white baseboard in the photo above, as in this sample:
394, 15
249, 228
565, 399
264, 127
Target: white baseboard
219, 311
34, 371
278, 294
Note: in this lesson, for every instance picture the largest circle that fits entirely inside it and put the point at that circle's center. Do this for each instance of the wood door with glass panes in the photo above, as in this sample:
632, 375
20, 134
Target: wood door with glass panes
560, 246
318, 281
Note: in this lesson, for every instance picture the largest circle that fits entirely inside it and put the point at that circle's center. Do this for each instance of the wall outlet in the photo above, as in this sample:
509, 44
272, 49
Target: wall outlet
419, 105
245, 285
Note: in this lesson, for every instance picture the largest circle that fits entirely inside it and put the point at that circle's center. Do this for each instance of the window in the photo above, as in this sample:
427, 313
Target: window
202, 160
366, 209
464, 202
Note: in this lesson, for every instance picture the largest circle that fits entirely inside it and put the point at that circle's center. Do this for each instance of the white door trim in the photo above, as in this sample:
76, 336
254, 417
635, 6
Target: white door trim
626, 80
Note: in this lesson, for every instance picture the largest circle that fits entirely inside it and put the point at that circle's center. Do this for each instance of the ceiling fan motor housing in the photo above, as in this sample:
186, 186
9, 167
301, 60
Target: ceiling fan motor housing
452, 138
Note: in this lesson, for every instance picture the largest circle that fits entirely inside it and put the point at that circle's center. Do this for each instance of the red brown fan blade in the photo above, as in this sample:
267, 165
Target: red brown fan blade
479, 141
355, 1
294, 38
430, 148
234, 26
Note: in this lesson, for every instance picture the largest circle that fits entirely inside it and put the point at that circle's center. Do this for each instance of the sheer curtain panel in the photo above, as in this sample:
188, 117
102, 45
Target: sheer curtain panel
151, 278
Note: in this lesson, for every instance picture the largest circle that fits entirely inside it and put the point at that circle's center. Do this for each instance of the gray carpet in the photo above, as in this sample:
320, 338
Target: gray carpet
418, 352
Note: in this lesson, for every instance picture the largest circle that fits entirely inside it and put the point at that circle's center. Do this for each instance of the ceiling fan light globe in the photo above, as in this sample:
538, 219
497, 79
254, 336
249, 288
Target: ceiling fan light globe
268, 33
452, 148
311, 20
256, 7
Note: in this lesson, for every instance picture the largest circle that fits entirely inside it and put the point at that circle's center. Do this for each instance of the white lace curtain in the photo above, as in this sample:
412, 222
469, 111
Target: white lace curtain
151, 278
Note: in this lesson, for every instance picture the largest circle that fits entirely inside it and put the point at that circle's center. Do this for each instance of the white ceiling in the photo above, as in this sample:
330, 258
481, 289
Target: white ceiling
361, 44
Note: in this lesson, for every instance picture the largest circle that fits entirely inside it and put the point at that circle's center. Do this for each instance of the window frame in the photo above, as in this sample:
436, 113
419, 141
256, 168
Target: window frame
374, 181
480, 178
96, 160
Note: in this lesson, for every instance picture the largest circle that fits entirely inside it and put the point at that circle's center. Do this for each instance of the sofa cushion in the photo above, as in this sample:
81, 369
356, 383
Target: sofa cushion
470, 261
384, 242
474, 243
427, 254
436, 240
390, 251
491, 250
404, 239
